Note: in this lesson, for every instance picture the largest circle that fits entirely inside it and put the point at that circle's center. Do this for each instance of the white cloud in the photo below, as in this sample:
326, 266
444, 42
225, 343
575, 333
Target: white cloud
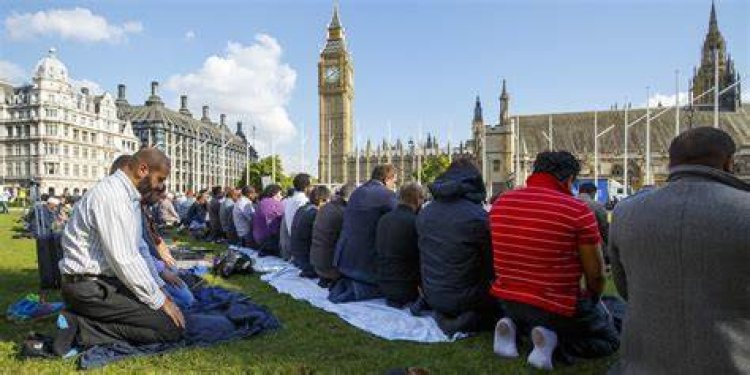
78, 24
667, 100
12, 73
94, 88
746, 96
190, 35
250, 83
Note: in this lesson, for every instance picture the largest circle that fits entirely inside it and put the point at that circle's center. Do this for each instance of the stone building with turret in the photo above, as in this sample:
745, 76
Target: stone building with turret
340, 160
203, 153
505, 147
511, 144
63, 137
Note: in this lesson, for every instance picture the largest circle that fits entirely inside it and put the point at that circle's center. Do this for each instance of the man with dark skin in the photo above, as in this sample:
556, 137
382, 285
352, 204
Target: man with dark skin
109, 292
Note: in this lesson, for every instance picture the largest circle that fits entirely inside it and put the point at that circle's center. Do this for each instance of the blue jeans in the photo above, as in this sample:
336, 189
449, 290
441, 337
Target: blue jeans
181, 295
4, 207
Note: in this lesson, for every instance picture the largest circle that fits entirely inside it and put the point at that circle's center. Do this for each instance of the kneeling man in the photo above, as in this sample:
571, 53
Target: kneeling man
110, 294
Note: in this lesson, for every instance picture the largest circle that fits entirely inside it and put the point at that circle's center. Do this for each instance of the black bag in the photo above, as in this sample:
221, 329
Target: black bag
49, 253
233, 262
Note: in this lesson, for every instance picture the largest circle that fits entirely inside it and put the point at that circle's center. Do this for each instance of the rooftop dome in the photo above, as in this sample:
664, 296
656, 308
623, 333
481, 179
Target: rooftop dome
50, 67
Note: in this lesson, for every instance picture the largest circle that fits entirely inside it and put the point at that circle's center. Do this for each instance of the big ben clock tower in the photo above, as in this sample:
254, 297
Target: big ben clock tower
336, 92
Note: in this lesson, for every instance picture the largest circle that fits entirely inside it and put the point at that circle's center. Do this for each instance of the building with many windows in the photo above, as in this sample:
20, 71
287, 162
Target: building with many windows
59, 136
203, 153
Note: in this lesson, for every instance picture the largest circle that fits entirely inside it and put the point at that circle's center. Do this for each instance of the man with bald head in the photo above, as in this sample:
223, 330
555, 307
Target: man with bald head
680, 256
110, 294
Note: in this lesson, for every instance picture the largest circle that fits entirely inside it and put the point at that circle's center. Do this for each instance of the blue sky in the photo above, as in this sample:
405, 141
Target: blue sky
415, 61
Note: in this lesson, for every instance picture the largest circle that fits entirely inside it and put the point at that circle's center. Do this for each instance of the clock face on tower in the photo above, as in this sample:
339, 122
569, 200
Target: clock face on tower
332, 74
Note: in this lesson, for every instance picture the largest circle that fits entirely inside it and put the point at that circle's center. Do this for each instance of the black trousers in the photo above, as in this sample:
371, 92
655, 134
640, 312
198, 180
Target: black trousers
590, 333
106, 311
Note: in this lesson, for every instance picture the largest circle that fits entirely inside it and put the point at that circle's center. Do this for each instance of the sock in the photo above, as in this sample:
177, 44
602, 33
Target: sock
66, 334
545, 342
505, 339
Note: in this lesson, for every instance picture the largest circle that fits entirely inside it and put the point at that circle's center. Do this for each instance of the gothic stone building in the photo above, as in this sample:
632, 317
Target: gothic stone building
340, 160
203, 153
61, 137
523, 137
515, 140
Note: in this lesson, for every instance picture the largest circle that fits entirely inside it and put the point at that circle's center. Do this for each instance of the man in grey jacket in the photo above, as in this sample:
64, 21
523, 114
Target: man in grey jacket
681, 257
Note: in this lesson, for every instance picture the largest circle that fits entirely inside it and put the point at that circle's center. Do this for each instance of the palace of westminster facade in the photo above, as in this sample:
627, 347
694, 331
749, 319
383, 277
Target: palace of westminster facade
509, 144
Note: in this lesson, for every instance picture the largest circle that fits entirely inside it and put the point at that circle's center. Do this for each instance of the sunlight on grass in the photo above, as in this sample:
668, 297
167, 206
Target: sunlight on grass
310, 341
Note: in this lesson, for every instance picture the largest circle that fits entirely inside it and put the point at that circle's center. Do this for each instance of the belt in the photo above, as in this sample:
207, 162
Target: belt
72, 279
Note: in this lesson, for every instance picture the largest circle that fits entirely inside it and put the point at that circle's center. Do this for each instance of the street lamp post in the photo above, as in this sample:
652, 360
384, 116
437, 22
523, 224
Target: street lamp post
596, 149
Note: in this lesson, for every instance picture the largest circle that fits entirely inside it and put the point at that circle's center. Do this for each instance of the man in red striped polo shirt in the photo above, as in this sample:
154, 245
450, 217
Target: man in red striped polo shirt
544, 240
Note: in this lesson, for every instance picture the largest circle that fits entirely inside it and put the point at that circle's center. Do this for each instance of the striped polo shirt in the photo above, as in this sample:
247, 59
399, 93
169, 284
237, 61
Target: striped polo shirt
536, 231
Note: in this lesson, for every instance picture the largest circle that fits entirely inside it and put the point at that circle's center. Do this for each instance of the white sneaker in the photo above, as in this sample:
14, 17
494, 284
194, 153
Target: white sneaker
505, 339
545, 342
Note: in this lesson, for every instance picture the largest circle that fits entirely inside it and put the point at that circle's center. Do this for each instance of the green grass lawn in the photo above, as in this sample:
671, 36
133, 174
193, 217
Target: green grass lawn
310, 341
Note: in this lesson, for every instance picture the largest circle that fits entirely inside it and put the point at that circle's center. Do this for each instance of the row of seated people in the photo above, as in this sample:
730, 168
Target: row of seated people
533, 265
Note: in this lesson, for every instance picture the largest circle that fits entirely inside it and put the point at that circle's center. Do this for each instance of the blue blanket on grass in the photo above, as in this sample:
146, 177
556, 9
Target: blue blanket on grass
218, 315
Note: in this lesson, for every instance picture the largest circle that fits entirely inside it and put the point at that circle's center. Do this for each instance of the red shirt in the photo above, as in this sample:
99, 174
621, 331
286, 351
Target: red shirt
536, 231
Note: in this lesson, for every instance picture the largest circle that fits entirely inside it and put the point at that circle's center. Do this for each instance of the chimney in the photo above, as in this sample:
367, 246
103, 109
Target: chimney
205, 114
222, 119
154, 88
121, 92
183, 101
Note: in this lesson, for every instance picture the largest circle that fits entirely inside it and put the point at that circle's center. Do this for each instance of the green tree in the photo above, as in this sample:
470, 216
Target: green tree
433, 166
264, 167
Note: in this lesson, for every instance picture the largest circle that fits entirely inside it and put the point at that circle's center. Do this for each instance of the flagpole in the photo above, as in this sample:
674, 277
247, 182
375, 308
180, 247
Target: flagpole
716, 87
625, 150
648, 136
677, 102
596, 150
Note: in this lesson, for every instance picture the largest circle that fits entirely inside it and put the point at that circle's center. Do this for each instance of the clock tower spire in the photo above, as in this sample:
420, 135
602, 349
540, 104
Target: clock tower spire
336, 94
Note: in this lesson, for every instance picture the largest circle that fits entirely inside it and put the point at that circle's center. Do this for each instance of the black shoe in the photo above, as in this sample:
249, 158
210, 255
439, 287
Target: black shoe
308, 274
66, 336
466, 322
37, 346
325, 283
420, 307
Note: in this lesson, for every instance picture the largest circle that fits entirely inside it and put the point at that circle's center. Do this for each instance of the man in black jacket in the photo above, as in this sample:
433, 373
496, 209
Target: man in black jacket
455, 251
326, 231
397, 248
302, 230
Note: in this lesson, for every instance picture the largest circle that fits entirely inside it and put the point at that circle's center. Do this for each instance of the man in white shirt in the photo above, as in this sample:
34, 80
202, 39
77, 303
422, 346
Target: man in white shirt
4, 198
302, 187
109, 291
243, 213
